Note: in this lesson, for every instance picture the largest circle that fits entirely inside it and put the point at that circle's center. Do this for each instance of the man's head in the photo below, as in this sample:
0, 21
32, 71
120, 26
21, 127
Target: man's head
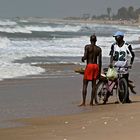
119, 36
93, 38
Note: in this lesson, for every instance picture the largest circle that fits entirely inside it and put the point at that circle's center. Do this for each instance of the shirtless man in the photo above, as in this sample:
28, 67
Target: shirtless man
93, 57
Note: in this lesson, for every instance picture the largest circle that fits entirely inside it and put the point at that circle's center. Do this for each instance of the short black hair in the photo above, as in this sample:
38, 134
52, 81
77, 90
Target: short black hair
93, 38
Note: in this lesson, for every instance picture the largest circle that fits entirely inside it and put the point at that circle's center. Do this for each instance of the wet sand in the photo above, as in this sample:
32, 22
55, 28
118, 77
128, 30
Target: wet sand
35, 97
111, 121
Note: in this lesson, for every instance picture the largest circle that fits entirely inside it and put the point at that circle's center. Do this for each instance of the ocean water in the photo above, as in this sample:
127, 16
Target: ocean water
24, 43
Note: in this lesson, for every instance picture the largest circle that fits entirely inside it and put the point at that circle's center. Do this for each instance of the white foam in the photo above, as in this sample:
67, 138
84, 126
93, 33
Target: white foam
5, 22
11, 70
8, 69
4, 42
16, 29
64, 28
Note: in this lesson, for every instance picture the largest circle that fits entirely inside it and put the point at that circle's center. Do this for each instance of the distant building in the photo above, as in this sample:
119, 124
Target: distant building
86, 16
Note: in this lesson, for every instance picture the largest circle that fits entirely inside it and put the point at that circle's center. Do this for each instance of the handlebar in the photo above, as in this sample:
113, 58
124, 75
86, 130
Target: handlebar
119, 67
122, 69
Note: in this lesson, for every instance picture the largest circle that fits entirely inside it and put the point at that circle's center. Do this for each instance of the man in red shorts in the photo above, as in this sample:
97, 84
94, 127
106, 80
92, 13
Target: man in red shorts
93, 57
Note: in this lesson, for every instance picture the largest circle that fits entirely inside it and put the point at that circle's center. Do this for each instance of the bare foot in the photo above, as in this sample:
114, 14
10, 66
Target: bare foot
83, 104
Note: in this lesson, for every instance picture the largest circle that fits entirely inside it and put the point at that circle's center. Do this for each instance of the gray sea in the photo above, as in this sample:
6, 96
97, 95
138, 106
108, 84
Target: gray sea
26, 42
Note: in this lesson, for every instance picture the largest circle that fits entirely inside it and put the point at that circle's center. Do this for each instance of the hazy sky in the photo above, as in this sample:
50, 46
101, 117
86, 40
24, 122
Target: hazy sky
61, 8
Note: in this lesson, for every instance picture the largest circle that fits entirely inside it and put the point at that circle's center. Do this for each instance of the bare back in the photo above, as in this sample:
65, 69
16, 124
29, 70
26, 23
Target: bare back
92, 53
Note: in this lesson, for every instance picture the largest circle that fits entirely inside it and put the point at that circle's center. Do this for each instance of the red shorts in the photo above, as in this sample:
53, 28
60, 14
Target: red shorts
91, 72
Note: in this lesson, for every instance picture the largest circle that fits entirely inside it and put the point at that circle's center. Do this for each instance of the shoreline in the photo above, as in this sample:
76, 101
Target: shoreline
100, 21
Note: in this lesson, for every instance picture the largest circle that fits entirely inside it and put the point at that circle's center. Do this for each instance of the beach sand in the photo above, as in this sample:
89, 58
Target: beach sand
111, 121
28, 104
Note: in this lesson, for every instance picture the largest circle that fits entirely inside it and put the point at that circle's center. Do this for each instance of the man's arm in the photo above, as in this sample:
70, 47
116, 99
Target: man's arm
85, 54
132, 54
111, 55
100, 62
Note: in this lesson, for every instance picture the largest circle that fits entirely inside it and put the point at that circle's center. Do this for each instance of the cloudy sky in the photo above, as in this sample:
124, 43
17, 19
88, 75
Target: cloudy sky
61, 8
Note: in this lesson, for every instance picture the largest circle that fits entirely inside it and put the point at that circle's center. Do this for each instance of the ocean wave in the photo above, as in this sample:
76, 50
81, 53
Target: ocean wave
4, 42
16, 29
7, 22
64, 28
12, 70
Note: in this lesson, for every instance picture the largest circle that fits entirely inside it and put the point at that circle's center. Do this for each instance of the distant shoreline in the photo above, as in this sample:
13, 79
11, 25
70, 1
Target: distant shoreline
88, 21
101, 21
